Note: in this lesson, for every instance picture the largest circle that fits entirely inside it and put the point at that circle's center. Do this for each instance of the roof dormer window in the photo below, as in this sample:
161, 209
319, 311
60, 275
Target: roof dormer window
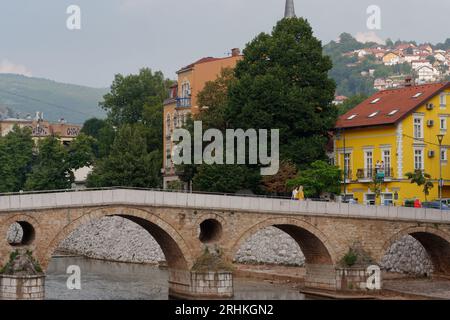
418, 94
373, 114
353, 116
393, 112
375, 101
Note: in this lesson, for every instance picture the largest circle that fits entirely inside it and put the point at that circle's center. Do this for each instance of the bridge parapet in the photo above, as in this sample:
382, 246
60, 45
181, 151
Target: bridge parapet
36, 201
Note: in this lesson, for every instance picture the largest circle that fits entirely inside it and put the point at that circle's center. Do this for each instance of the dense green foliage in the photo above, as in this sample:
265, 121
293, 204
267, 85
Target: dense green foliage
129, 142
319, 178
282, 82
16, 157
351, 102
54, 163
26, 95
130, 162
47, 165
129, 95
422, 179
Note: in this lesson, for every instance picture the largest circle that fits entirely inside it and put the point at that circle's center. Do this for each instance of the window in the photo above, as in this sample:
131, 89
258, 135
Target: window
376, 100
368, 163
185, 90
168, 124
387, 199
443, 154
393, 112
387, 162
373, 114
443, 100
417, 95
369, 199
443, 123
353, 116
347, 158
418, 159
418, 128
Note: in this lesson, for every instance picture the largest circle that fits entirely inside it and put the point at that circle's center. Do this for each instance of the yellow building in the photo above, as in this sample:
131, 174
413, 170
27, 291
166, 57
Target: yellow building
183, 101
390, 134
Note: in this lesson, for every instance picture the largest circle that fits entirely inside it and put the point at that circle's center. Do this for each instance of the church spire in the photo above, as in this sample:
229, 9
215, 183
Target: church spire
289, 12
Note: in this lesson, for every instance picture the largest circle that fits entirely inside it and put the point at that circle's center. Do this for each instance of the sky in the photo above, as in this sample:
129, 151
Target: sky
122, 36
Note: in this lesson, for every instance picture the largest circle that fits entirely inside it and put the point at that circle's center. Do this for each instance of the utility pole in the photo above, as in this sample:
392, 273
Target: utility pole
440, 139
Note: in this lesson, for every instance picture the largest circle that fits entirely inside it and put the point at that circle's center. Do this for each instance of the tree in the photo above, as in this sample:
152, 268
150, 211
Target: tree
52, 169
130, 162
351, 102
431, 58
389, 43
421, 179
319, 178
16, 156
92, 127
226, 178
282, 83
276, 184
130, 94
81, 151
214, 100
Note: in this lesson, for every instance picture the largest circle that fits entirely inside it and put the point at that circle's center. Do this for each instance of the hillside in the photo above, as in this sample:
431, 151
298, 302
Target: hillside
23, 95
360, 68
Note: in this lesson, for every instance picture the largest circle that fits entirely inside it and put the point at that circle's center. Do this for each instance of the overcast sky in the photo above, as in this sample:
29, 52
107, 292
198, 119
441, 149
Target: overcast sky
120, 36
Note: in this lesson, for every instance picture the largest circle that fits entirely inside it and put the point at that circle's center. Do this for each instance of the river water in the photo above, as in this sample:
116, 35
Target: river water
102, 280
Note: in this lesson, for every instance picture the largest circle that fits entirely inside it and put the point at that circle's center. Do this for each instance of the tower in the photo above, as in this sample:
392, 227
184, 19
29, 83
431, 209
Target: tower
289, 12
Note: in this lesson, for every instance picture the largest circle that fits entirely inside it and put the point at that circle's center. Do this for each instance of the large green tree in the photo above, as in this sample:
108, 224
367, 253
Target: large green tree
282, 83
130, 163
51, 169
319, 178
130, 94
16, 156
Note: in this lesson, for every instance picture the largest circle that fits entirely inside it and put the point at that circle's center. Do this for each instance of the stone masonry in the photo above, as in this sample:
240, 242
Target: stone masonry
324, 231
118, 239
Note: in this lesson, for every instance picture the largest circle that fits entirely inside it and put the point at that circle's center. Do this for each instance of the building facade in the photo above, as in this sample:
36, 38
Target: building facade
183, 102
392, 133
41, 128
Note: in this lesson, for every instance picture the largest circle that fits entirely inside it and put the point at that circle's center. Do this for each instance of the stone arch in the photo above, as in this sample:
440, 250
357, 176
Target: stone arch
436, 242
174, 247
21, 218
313, 243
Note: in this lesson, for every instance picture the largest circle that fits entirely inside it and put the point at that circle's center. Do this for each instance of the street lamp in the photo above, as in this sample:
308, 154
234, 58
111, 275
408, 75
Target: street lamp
440, 138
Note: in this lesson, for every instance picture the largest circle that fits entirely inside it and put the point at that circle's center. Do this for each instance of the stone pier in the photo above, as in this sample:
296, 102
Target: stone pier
195, 285
22, 287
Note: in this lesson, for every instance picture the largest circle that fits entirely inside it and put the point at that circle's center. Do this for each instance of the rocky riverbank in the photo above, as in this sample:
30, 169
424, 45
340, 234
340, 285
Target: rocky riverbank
118, 239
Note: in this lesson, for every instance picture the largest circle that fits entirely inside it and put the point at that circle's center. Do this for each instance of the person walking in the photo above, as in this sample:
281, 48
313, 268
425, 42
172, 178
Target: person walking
300, 194
295, 193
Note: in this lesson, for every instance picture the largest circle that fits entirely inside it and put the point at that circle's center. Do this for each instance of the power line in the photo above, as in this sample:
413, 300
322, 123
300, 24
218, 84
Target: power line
46, 102
426, 142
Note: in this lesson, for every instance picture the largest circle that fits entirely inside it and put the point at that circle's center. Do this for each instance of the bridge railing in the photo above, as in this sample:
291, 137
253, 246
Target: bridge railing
210, 201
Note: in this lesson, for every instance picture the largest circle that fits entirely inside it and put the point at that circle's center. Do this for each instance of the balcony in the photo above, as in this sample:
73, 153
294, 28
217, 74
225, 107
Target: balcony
183, 102
371, 174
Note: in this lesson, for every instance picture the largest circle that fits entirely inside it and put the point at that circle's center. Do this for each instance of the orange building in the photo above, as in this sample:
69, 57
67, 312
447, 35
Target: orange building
183, 101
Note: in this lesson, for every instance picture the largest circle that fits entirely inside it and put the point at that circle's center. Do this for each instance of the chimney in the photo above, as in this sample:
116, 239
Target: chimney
409, 81
235, 52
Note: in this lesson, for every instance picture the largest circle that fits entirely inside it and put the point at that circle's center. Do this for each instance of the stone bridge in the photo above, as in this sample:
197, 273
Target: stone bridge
185, 224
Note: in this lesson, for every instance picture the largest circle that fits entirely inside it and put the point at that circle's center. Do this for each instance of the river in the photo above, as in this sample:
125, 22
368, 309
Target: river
103, 280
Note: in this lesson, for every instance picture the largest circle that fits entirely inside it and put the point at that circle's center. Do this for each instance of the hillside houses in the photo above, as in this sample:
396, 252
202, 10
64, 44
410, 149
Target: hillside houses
427, 64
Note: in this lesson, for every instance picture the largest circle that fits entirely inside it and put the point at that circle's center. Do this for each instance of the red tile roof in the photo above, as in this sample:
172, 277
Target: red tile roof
395, 99
202, 60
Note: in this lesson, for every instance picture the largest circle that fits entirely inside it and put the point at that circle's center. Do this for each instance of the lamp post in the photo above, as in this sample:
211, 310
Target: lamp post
440, 138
